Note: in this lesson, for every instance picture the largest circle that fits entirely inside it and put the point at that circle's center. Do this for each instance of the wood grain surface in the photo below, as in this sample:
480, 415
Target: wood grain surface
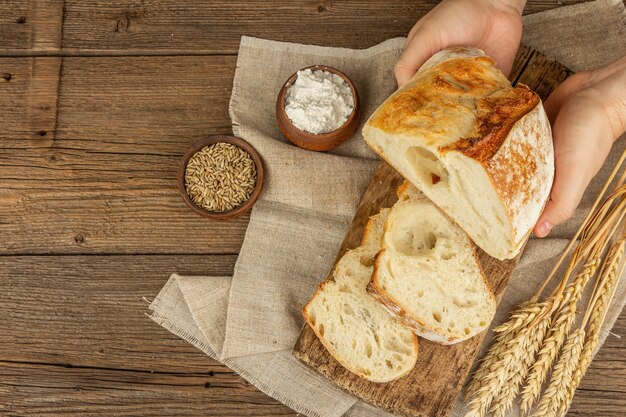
432, 387
99, 101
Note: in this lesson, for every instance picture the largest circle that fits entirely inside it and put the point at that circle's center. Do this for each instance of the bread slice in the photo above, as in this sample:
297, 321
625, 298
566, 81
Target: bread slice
427, 273
479, 148
352, 325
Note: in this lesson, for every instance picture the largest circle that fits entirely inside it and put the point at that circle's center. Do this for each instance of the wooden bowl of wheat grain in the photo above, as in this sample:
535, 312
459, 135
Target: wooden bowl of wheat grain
199, 190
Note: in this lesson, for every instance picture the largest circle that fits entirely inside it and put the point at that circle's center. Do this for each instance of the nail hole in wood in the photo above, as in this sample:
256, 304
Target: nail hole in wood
42, 133
321, 8
7, 76
79, 239
207, 385
53, 157
21, 20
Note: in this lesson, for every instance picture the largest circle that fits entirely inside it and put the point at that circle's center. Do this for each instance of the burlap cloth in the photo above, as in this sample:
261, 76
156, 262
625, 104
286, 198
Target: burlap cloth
251, 321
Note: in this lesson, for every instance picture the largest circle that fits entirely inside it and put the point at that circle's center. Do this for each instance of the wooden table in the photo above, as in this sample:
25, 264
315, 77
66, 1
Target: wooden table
99, 99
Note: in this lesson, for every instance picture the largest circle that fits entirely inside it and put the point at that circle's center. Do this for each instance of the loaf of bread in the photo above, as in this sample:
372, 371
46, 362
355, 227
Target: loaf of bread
427, 273
477, 147
355, 328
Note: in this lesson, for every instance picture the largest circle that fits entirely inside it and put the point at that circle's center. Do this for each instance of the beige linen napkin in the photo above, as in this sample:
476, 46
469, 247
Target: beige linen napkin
251, 321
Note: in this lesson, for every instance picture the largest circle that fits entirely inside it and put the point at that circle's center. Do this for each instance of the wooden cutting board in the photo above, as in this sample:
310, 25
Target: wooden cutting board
432, 387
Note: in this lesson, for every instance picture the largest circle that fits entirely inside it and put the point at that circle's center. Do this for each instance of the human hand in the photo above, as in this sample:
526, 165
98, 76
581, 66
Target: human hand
588, 113
494, 26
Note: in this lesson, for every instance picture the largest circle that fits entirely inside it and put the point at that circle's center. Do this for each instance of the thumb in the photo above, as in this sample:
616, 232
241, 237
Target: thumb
580, 148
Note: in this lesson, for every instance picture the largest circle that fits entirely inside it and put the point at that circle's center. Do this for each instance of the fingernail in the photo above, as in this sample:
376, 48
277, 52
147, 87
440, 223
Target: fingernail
544, 228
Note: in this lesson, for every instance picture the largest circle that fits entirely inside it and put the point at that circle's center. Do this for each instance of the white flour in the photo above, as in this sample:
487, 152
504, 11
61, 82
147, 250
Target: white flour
319, 101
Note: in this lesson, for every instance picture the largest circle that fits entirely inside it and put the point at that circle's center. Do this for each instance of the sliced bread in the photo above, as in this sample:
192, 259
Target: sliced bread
478, 147
356, 329
427, 273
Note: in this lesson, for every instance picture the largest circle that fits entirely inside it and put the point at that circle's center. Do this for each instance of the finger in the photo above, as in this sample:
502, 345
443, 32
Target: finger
417, 51
567, 191
580, 150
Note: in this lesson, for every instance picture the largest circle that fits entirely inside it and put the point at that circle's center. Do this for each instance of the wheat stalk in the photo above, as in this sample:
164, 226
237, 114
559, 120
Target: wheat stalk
556, 392
562, 323
592, 215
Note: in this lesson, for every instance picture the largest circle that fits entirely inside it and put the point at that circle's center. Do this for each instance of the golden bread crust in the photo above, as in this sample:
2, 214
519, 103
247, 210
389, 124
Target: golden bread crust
496, 116
440, 99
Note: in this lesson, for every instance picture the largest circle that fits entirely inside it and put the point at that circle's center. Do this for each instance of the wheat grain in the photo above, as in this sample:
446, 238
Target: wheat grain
514, 345
220, 177
498, 347
514, 380
563, 320
608, 282
495, 379
556, 392
523, 315
591, 342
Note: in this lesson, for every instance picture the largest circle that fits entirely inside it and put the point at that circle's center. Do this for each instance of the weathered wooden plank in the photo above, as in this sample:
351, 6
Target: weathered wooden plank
42, 97
34, 25
178, 26
62, 213
160, 103
534, 69
14, 26
28, 97
45, 390
104, 179
89, 311
608, 372
596, 403
46, 24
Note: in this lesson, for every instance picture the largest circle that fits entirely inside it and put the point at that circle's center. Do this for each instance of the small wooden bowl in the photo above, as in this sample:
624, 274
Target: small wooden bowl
237, 211
310, 141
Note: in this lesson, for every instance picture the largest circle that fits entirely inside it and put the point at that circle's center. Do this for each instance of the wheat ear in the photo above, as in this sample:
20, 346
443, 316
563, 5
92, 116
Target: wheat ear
510, 356
556, 336
494, 380
595, 316
498, 347
557, 390
514, 380
522, 316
